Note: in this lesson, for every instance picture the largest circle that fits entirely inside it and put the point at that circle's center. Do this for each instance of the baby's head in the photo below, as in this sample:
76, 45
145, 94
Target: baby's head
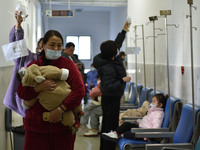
159, 100
109, 49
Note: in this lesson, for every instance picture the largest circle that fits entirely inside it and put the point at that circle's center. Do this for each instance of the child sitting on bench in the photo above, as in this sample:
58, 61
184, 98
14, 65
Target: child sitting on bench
153, 119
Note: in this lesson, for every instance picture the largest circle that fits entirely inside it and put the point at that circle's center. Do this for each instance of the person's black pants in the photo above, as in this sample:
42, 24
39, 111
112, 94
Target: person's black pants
110, 107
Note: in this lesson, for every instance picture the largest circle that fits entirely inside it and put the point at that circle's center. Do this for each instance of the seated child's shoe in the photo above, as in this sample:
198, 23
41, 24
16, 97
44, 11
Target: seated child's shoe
91, 132
110, 136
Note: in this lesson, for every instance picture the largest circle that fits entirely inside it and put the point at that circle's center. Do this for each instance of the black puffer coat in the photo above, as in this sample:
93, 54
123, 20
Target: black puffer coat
111, 72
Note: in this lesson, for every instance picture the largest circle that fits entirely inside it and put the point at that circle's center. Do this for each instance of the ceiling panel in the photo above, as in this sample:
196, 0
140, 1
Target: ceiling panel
109, 3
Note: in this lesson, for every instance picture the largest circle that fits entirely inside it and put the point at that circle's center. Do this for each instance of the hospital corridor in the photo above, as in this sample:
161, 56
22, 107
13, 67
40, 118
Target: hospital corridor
100, 75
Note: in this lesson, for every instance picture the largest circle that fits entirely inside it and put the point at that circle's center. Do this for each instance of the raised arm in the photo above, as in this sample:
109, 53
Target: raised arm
121, 36
17, 33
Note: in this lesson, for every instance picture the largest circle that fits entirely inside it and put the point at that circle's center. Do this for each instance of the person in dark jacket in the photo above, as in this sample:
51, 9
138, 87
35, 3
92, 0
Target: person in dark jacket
113, 78
68, 52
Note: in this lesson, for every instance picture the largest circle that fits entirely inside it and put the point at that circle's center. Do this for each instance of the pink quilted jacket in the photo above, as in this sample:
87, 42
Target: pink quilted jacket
153, 119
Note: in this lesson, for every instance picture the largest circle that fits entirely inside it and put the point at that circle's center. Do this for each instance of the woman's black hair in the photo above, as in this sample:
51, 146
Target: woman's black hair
162, 99
51, 33
41, 39
39, 53
108, 49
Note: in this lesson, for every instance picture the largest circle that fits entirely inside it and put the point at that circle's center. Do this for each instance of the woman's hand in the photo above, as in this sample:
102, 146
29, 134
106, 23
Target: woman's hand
19, 19
46, 85
126, 79
126, 26
55, 115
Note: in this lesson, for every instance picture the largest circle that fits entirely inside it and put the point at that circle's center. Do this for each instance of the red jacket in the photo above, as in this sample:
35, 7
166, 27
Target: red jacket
33, 120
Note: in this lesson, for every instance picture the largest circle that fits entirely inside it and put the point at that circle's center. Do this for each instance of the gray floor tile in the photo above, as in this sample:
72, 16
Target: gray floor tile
86, 143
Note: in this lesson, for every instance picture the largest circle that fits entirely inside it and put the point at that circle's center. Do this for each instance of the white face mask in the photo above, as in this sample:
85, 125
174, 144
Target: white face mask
53, 55
93, 69
153, 106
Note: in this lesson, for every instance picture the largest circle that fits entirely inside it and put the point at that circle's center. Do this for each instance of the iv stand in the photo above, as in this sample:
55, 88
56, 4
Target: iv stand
190, 2
136, 63
166, 13
153, 19
143, 55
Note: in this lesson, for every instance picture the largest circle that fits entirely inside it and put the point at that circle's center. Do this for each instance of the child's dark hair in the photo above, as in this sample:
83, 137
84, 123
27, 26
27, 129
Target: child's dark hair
108, 49
162, 99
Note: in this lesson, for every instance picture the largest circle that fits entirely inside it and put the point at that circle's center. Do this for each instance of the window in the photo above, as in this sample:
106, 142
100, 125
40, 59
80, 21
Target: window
82, 46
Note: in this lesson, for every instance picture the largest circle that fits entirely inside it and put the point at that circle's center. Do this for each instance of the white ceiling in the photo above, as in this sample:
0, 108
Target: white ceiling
106, 3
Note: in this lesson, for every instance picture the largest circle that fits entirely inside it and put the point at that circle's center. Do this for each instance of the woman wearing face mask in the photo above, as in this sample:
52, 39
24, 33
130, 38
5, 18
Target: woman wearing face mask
153, 119
39, 47
44, 135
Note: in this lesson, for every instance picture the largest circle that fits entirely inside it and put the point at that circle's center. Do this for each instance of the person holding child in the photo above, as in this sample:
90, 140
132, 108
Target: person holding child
52, 134
153, 119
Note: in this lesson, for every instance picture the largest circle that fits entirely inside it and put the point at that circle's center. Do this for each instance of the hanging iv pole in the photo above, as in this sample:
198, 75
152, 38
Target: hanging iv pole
136, 64
166, 13
190, 2
153, 19
145, 83
143, 55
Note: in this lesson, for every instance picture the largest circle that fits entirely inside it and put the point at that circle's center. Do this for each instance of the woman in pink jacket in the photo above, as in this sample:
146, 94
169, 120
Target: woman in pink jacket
153, 119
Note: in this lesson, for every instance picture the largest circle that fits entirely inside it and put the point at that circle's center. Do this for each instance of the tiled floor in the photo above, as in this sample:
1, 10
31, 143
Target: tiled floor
86, 143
